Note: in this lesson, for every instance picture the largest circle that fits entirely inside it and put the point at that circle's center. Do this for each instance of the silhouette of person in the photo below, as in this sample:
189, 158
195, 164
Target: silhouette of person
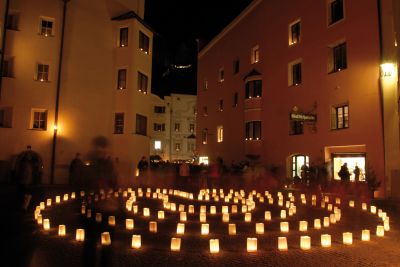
75, 170
356, 172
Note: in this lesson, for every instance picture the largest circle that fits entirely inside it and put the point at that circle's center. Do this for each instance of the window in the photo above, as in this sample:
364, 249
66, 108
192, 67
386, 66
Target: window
42, 72
191, 127
159, 127
336, 11
204, 136
157, 145
191, 147
236, 66
205, 111
121, 79
253, 130
298, 163
221, 75
255, 54
123, 37
220, 134
5, 117
119, 123
253, 89
294, 33
338, 58
159, 109
142, 82
205, 84
177, 146
8, 66
221, 105
295, 73
141, 124
194, 110
39, 119
46, 27
177, 127
13, 21
296, 127
144, 42
235, 99
340, 117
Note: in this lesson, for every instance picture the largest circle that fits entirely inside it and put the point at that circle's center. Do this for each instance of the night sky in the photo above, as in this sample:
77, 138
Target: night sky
178, 23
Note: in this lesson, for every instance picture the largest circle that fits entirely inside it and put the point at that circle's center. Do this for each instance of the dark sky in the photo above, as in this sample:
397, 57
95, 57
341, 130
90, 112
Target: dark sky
178, 23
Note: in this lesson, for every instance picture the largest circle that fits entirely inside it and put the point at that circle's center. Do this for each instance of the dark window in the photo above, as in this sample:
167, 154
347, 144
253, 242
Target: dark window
177, 146
253, 89
142, 82
6, 117
12, 21
177, 127
2, 118
39, 120
159, 127
336, 11
339, 57
144, 42
42, 72
221, 75
191, 127
235, 99
205, 85
159, 109
141, 124
295, 33
253, 130
121, 79
46, 27
340, 117
119, 123
221, 105
296, 127
236, 66
123, 37
8, 67
296, 74
204, 136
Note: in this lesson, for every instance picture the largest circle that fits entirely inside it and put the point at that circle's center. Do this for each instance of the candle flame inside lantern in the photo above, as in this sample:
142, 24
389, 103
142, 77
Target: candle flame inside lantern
136, 241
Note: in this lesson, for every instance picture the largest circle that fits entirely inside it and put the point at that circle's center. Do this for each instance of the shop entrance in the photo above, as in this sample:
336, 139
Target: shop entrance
352, 160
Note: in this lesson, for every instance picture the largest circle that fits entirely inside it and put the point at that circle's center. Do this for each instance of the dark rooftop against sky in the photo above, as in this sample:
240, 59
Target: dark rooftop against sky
178, 23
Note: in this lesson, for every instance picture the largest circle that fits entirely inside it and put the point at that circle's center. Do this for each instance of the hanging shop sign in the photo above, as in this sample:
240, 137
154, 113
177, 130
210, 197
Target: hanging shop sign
303, 117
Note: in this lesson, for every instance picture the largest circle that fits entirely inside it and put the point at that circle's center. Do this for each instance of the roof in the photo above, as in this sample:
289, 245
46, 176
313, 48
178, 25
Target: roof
133, 15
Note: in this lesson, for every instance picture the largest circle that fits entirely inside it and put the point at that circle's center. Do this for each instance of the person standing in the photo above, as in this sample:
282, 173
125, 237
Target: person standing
356, 172
75, 170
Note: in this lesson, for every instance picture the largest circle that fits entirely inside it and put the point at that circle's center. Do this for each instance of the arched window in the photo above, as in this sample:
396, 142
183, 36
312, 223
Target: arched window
298, 161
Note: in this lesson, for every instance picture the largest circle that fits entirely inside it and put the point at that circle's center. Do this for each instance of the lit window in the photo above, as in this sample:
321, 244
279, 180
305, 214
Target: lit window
299, 164
203, 160
191, 127
221, 75
119, 123
352, 160
46, 27
253, 130
236, 66
253, 89
42, 72
123, 37
294, 33
294, 73
177, 127
177, 146
204, 136
220, 134
336, 11
12, 21
141, 124
157, 145
144, 42
39, 119
338, 60
340, 117
5, 117
221, 105
142, 82
121, 79
255, 54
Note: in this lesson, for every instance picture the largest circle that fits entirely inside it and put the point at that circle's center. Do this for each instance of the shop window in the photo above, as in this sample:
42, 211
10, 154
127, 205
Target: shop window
351, 160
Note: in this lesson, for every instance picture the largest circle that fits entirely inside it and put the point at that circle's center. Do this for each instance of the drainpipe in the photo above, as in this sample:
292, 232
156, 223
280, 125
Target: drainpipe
3, 44
57, 104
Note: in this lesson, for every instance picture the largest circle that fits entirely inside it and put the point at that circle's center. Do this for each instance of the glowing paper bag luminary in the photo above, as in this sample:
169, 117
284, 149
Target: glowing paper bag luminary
153, 227
326, 221
111, 220
325, 240
225, 217
351, 203
80, 235
247, 217
251, 244
61, 230
191, 209
303, 226
259, 228
99, 217
347, 238
365, 235
317, 224
267, 215
305, 242
214, 246
203, 217
175, 244
205, 228
46, 224
232, 229
213, 209
284, 227
105, 239
180, 228
282, 243
283, 214
160, 215
380, 231
129, 224
146, 212
182, 216
136, 241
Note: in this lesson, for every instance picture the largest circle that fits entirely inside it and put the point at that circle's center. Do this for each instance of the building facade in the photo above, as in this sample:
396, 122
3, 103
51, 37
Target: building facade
76, 78
305, 82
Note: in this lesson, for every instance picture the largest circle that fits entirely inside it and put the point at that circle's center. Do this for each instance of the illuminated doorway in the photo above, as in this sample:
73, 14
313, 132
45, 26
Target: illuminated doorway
299, 161
352, 160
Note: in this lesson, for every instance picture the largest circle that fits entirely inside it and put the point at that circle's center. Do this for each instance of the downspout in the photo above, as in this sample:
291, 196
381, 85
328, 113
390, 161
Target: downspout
57, 104
3, 44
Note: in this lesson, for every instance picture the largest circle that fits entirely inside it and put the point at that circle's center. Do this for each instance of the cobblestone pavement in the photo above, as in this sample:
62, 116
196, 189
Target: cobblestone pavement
35, 247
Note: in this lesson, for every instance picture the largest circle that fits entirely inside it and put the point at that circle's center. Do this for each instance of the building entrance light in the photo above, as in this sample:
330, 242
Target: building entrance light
388, 69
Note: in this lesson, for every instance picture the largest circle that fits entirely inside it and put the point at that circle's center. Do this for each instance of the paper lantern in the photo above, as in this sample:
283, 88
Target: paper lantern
180, 228
105, 239
98, 217
83, 209
365, 235
225, 209
89, 213
129, 224
267, 215
135, 209
270, 201
214, 246
290, 213
280, 202
283, 214
203, 217
160, 215
287, 204
153, 227
260, 228
313, 202
232, 229
136, 241
383, 216
364, 206
182, 216
251, 244
48, 202
46, 224
347, 238
244, 208
80, 235
338, 201
326, 221
386, 224
82, 193
42, 205
303, 226
225, 217
332, 218
111, 220
247, 217
66, 197
305, 242
330, 207
323, 204
351, 203
213, 209
380, 231
325, 240
191, 209
203, 208
58, 199
284, 227
173, 207
40, 219
175, 244
373, 209
61, 230
205, 228
234, 209
282, 243
317, 224
146, 212
181, 207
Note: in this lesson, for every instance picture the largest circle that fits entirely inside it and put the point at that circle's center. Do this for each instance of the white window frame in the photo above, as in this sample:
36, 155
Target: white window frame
37, 72
255, 54
32, 122
46, 31
220, 134
290, 72
291, 41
